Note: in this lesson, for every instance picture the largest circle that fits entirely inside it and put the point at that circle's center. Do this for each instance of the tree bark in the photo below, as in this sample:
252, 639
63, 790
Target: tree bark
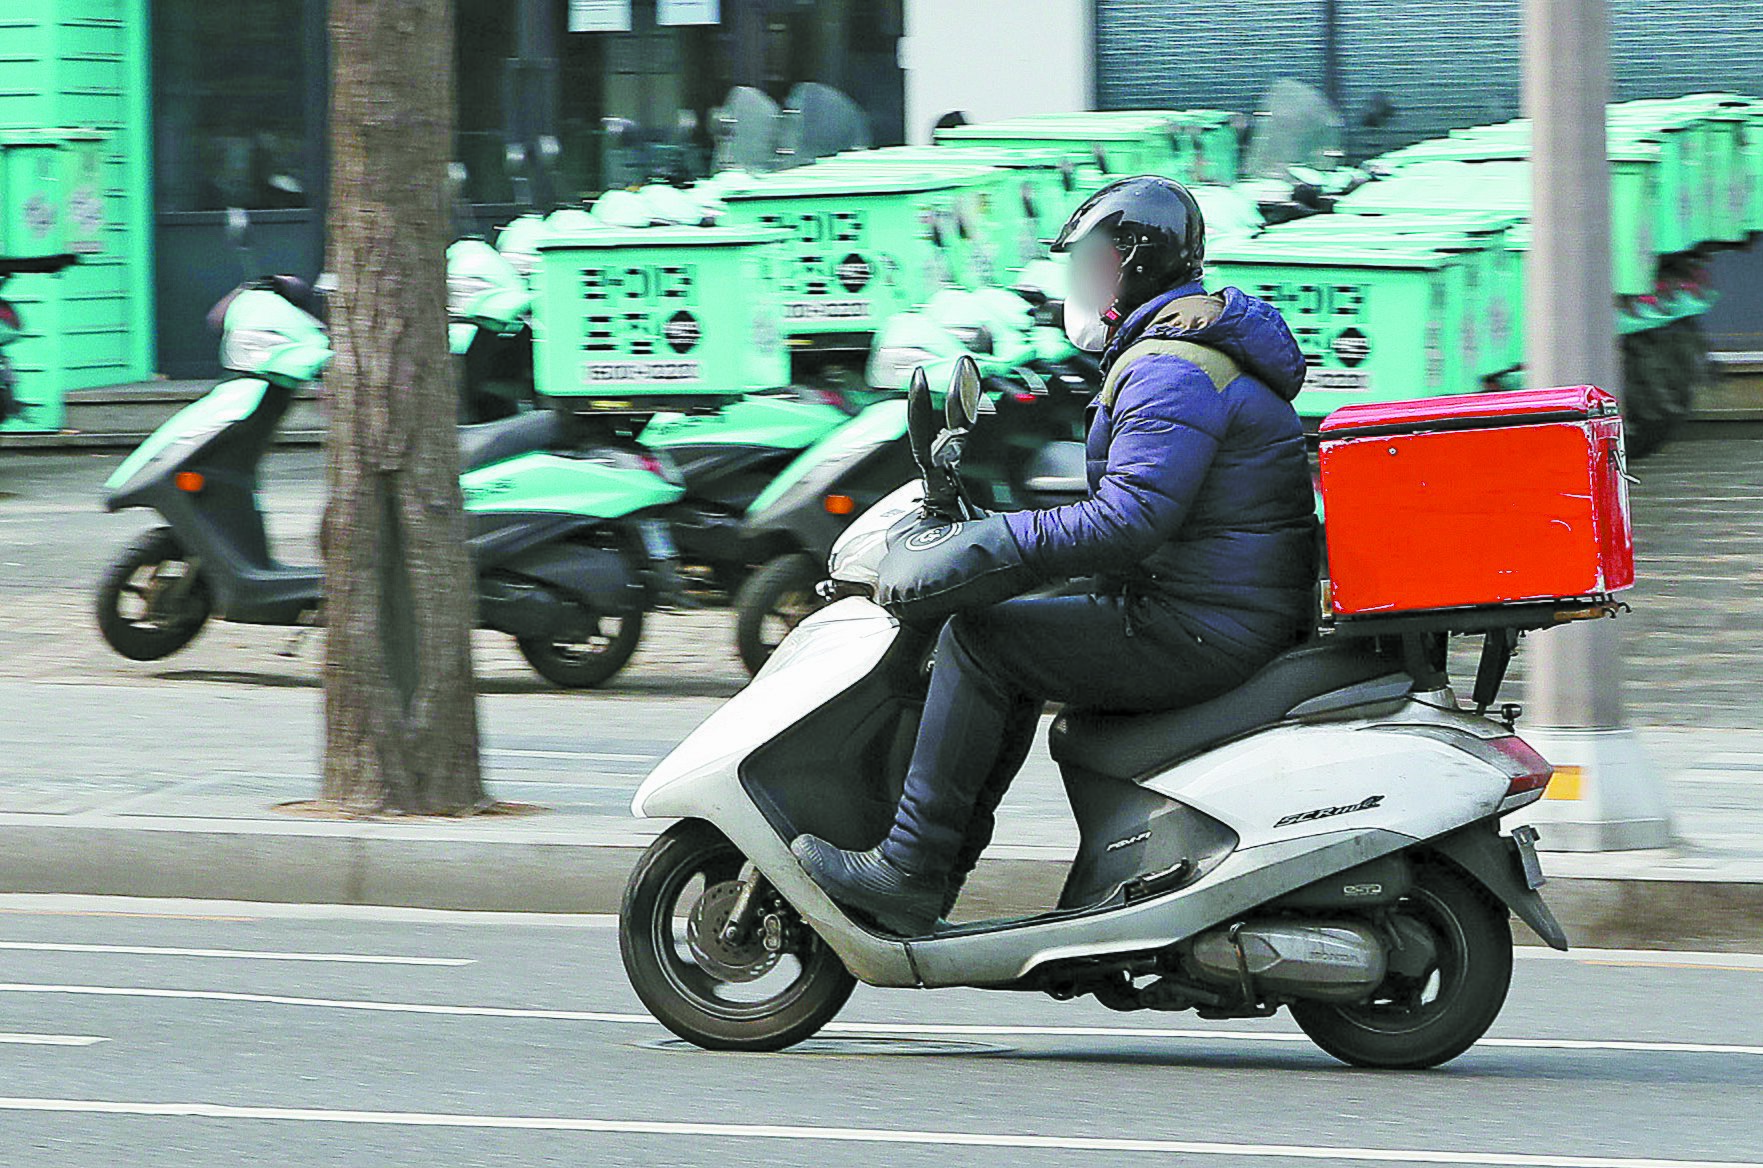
400, 597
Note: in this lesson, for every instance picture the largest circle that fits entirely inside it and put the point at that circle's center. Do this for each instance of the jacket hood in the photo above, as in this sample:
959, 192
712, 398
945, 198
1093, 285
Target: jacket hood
1248, 330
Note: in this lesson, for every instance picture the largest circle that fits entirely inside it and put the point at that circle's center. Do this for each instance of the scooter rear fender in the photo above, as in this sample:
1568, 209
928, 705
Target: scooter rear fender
1493, 860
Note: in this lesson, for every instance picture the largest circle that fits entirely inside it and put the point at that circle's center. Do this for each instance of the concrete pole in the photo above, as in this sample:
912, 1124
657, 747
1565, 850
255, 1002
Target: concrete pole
1608, 796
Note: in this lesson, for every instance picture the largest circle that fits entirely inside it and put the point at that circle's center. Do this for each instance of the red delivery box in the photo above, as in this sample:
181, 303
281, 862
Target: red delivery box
1488, 499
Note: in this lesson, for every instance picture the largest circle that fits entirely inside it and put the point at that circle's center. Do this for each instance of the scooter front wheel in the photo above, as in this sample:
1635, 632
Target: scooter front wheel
1435, 1014
772, 602
587, 661
775, 985
152, 601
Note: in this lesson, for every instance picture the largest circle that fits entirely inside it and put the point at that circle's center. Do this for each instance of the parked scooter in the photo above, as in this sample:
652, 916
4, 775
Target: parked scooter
12, 326
1267, 848
568, 546
1031, 456
489, 328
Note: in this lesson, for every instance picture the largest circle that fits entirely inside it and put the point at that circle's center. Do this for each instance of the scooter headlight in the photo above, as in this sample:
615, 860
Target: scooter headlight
891, 366
462, 290
244, 350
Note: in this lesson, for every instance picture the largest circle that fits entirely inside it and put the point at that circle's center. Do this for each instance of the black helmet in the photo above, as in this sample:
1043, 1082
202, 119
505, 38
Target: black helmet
1156, 226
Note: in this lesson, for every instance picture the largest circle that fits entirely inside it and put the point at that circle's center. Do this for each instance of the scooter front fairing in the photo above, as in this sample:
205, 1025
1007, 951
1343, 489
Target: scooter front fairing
830, 720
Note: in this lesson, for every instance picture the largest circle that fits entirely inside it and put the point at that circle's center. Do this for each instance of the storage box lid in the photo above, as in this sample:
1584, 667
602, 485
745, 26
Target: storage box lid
1477, 411
616, 237
1323, 253
974, 154
850, 181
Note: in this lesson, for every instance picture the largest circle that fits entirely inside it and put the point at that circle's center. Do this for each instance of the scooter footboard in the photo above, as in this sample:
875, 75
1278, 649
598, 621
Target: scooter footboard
1248, 878
599, 578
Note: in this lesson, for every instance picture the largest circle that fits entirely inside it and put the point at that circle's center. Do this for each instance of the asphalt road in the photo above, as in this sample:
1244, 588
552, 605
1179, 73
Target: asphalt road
174, 1033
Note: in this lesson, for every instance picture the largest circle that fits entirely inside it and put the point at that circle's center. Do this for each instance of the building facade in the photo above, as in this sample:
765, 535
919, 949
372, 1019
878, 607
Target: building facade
216, 107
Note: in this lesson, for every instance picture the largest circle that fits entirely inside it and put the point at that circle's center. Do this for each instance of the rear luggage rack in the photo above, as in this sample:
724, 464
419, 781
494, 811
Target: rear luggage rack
1422, 636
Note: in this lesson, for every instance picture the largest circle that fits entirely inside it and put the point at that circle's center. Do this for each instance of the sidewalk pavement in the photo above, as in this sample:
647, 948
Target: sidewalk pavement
172, 790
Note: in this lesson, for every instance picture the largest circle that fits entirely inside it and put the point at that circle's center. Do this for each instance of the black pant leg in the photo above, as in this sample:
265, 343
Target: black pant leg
994, 669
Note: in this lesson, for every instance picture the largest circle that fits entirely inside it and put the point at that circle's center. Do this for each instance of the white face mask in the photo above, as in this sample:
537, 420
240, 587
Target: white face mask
1092, 282
1084, 325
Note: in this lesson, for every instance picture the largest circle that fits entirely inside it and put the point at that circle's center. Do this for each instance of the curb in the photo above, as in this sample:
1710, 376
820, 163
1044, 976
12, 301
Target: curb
460, 868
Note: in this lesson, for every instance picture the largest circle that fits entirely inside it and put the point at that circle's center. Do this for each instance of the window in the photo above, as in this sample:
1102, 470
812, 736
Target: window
231, 105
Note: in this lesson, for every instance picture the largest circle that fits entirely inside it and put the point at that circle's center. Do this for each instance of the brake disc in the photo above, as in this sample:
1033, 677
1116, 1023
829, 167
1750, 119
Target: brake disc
747, 961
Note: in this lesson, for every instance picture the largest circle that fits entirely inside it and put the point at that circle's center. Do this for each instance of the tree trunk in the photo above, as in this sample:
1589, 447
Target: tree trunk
400, 597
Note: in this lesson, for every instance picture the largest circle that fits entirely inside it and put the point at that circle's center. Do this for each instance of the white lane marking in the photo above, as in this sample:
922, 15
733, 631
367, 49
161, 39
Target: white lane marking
857, 1135
50, 1040
891, 1028
247, 911
571, 755
1661, 957
234, 954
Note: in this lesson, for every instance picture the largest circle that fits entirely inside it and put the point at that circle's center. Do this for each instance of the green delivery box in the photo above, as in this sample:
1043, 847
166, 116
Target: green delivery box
1493, 282
51, 193
664, 317
1374, 324
1046, 185
1189, 145
864, 244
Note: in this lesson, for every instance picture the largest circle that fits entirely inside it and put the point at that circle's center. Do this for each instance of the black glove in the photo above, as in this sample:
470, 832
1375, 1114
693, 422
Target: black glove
935, 568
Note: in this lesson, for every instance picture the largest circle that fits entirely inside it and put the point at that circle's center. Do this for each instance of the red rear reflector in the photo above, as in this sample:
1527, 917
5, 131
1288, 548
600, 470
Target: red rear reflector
189, 480
840, 504
1024, 398
9, 317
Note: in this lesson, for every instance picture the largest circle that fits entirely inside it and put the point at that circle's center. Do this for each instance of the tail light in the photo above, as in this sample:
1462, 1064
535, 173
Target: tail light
9, 317
1527, 772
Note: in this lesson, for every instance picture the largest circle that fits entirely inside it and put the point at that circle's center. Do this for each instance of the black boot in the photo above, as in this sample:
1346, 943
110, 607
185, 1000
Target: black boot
901, 902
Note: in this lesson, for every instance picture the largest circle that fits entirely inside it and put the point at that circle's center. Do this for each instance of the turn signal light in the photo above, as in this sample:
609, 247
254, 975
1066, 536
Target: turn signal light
189, 481
840, 504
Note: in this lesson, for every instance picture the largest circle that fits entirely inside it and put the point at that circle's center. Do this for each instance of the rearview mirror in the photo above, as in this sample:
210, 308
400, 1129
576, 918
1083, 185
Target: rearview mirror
921, 420
961, 408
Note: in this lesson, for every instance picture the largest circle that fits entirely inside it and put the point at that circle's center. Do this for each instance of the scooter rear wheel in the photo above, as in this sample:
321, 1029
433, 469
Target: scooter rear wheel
1417, 1022
589, 661
152, 601
716, 995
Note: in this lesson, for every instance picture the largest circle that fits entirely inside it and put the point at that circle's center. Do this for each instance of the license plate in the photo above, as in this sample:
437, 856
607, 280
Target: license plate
1337, 380
1526, 839
658, 540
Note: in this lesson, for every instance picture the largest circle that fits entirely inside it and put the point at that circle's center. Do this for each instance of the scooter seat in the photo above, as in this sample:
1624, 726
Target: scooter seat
504, 438
1132, 747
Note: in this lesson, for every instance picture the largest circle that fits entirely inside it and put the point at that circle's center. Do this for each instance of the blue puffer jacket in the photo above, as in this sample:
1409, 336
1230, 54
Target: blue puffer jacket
1200, 504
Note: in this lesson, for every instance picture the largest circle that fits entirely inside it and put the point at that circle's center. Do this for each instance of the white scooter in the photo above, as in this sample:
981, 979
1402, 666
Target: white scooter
1324, 837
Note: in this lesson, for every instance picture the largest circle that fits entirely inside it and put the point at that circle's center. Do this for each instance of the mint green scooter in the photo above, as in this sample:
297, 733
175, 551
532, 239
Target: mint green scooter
569, 547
